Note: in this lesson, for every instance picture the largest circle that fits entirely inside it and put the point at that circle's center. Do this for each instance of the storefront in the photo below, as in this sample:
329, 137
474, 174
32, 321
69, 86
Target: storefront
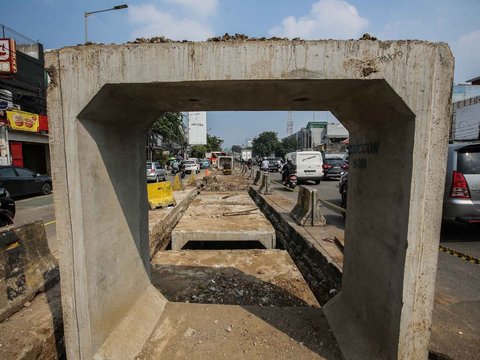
24, 140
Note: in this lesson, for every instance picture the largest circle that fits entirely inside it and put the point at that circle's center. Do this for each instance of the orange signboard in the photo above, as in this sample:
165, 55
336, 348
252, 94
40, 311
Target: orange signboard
22, 120
8, 57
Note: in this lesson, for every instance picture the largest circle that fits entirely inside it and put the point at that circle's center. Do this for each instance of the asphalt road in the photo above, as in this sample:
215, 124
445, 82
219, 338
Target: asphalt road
456, 318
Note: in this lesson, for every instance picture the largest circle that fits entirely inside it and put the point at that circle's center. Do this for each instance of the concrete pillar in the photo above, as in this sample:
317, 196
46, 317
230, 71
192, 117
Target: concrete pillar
394, 98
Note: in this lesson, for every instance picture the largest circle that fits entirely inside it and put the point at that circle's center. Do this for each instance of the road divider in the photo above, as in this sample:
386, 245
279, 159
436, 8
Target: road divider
26, 266
177, 184
160, 195
306, 211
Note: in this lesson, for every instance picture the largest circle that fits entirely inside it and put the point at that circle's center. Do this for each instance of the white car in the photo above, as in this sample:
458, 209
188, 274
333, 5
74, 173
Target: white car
196, 162
190, 166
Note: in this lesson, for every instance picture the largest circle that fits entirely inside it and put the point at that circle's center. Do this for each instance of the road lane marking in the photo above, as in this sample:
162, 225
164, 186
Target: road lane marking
50, 223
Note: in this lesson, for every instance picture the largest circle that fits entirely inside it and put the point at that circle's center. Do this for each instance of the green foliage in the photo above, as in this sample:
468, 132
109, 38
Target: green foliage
236, 149
214, 143
198, 151
170, 126
287, 145
265, 144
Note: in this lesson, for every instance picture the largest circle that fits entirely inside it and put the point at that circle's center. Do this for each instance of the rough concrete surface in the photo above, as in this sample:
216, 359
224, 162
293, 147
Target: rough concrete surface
206, 332
225, 216
392, 94
312, 248
26, 265
235, 277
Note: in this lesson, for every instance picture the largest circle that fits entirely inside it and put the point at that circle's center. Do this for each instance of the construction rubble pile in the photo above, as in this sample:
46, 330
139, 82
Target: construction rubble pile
221, 183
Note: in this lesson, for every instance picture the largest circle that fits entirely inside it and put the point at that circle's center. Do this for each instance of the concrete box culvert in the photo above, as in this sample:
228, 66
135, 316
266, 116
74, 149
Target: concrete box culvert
105, 97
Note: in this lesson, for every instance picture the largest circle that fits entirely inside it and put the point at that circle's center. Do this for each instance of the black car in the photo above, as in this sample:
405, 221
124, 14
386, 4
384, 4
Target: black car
19, 181
273, 165
332, 167
7, 208
343, 188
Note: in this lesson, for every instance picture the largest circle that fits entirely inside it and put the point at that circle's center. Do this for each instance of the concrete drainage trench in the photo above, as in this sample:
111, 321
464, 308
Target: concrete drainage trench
231, 291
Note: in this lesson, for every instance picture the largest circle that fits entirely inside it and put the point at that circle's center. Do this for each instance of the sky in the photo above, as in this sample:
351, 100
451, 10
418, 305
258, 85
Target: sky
58, 23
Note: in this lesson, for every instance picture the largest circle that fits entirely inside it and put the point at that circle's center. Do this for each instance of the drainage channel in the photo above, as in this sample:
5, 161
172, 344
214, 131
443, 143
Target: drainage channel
227, 299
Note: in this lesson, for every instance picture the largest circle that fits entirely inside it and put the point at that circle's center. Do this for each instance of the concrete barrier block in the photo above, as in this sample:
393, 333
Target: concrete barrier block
26, 266
160, 194
307, 211
265, 187
258, 175
178, 184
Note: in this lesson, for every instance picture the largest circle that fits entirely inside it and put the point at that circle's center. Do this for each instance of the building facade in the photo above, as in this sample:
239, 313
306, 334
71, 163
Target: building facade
23, 106
321, 135
466, 112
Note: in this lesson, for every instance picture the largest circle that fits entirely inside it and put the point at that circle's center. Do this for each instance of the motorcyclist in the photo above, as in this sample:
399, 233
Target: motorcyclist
265, 165
288, 169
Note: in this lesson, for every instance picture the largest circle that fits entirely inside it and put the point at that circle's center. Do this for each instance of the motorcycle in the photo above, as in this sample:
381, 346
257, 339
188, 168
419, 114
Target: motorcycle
7, 208
291, 181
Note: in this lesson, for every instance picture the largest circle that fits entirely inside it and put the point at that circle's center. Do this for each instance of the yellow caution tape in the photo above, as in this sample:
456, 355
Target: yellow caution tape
160, 194
460, 255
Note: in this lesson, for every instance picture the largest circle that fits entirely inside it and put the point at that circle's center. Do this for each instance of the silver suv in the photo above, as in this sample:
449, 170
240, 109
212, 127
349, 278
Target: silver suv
462, 188
155, 172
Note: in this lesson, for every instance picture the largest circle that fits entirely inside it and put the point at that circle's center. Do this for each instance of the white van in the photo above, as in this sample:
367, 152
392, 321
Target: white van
309, 165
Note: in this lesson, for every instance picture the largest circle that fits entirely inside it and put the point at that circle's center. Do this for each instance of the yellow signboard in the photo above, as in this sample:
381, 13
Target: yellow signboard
22, 120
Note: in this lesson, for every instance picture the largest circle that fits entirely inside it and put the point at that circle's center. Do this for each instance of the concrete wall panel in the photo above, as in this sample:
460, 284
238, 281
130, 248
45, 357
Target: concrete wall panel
394, 94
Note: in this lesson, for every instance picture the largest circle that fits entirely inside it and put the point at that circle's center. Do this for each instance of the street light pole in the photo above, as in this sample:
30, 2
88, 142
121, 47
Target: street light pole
88, 13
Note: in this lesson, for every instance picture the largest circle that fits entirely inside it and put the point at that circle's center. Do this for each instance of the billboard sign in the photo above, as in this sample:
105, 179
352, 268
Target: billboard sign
23, 121
8, 57
467, 123
197, 128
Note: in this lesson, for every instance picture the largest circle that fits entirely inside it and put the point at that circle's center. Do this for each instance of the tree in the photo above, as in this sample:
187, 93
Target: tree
170, 126
198, 151
286, 146
236, 149
265, 144
214, 143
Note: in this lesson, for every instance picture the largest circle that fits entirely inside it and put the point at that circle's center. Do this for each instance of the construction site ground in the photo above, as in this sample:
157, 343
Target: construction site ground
236, 304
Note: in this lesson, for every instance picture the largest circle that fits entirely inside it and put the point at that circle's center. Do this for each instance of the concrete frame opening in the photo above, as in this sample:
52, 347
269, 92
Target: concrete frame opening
392, 96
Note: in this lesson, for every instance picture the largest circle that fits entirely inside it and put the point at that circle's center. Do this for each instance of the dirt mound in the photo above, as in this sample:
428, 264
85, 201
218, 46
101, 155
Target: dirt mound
220, 183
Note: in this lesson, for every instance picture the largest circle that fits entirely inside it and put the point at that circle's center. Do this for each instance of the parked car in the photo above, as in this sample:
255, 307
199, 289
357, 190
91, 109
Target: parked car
190, 166
461, 202
332, 166
19, 181
7, 208
156, 172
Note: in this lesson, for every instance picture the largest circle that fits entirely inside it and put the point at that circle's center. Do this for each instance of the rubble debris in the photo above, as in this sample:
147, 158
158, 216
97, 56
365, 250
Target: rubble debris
243, 37
221, 183
153, 40
367, 36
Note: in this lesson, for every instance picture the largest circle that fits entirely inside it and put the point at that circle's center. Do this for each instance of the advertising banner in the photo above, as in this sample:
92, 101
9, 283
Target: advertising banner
22, 120
8, 57
197, 128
